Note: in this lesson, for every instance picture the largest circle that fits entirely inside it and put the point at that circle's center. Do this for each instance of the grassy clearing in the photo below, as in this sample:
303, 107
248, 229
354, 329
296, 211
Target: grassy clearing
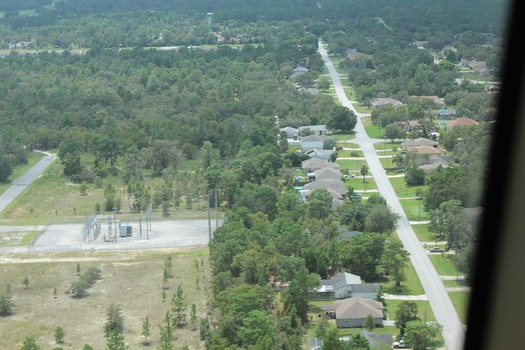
372, 130
132, 280
403, 191
339, 136
350, 93
349, 154
411, 286
358, 185
16, 239
423, 234
423, 308
360, 108
415, 210
444, 264
460, 300
354, 165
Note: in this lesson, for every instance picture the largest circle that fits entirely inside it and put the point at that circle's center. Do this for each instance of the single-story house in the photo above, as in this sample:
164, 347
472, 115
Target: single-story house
378, 102
316, 129
446, 113
353, 312
327, 174
337, 287
365, 290
313, 164
324, 154
298, 71
338, 186
291, 133
434, 98
420, 141
427, 150
461, 121
312, 142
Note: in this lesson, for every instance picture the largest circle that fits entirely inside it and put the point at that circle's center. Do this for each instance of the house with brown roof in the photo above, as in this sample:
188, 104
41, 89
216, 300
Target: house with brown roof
427, 150
353, 312
461, 121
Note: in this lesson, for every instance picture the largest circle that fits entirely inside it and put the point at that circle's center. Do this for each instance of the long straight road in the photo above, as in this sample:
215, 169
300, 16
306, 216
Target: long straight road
446, 315
20, 184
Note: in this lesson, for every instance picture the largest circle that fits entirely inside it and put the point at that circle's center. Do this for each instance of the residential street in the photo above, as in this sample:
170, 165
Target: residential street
453, 331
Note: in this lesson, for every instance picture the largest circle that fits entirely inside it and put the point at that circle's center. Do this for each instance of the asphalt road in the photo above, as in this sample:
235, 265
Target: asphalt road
453, 331
20, 184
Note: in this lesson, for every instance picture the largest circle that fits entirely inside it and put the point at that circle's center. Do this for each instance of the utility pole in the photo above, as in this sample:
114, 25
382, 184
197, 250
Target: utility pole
209, 218
216, 210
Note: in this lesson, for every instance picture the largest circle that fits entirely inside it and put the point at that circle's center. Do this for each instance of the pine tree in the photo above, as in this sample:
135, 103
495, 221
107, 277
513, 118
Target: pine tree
178, 307
166, 334
146, 331
59, 335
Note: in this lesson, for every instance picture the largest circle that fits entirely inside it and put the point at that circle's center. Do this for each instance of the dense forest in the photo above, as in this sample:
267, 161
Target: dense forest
98, 90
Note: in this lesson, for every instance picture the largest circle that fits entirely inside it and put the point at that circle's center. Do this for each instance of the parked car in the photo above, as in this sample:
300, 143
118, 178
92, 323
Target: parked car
437, 250
399, 345
349, 176
356, 196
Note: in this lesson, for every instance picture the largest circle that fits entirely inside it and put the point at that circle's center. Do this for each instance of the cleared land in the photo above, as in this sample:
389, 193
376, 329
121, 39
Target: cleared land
131, 279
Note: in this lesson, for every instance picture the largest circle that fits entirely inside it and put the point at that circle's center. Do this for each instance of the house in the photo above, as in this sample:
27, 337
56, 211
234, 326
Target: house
312, 142
353, 312
298, 71
327, 174
291, 133
324, 154
378, 102
365, 290
319, 130
313, 164
433, 98
435, 161
461, 121
420, 141
427, 150
446, 113
338, 186
337, 287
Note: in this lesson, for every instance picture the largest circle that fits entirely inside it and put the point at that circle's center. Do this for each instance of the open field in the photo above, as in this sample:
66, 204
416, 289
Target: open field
132, 280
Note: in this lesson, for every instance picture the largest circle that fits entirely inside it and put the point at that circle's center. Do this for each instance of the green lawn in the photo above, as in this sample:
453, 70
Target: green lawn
444, 264
423, 308
343, 136
358, 185
402, 190
350, 93
460, 300
372, 130
362, 109
422, 233
353, 165
414, 210
411, 286
349, 154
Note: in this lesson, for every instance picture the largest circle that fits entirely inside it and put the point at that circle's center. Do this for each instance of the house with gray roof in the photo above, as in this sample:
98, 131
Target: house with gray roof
316, 129
324, 154
446, 113
312, 142
381, 101
327, 174
353, 312
291, 133
345, 285
338, 186
313, 164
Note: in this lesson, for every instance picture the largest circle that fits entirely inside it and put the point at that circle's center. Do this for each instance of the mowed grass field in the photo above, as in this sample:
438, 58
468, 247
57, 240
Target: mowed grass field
133, 280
